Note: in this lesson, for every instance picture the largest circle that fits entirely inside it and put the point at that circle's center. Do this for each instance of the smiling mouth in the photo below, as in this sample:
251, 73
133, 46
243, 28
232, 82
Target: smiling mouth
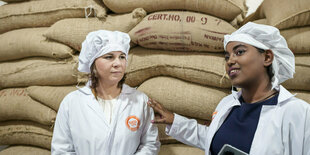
233, 72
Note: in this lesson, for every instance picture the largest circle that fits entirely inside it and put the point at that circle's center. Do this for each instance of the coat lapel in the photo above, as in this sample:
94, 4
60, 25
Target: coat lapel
93, 104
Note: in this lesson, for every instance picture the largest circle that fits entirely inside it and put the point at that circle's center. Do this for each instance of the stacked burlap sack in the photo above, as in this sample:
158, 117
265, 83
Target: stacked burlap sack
293, 20
177, 60
29, 61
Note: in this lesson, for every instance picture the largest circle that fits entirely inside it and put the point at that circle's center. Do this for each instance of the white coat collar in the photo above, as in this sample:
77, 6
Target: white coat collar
236, 94
94, 105
284, 94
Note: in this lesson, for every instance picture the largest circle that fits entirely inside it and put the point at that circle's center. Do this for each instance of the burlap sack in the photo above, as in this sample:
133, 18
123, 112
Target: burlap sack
25, 133
29, 42
261, 21
73, 31
184, 98
50, 96
302, 60
13, 1
34, 71
24, 150
44, 13
304, 95
301, 80
224, 9
298, 39
15, 104
236, 23
257, 15
179, 149
201, 68
165, 139
286, 13
181, 31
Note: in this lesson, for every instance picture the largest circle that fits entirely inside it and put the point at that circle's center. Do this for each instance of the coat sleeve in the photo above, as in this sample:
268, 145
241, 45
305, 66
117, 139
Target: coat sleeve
188, 131
296, 128
306, 147
149, 144
62, 140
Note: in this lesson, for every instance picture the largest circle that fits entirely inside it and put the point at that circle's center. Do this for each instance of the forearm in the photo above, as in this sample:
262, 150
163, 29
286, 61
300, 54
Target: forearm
188, 131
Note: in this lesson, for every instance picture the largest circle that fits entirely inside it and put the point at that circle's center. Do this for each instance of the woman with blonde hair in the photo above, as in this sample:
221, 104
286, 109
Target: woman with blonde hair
106, 116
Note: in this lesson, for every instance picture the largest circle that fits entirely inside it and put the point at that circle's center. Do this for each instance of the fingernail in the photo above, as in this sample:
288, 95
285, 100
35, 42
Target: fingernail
152, 121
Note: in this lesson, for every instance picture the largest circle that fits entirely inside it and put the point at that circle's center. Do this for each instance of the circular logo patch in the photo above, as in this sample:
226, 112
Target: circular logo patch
132, 123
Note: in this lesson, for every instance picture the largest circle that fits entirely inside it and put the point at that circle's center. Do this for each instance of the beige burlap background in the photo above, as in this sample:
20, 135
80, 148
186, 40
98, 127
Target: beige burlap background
202, 68
225, 9
282, 14
36, 71
16, 104
29, 42
178, 149
45, 13
73, 31
50, 96
183, 97
25, 133
24, 150
181, 31
297, 39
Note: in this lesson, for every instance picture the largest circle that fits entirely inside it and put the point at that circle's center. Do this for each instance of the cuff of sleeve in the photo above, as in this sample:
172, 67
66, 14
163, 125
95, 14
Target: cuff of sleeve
172, 130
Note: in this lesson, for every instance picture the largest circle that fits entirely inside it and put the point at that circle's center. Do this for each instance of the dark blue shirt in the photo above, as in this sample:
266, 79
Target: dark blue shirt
240, 125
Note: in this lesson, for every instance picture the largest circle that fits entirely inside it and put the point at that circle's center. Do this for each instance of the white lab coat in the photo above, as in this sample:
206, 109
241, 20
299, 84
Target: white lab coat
81, 128
283, 129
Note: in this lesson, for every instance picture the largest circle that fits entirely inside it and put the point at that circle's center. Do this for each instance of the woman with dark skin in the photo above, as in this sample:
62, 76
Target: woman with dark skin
263, 117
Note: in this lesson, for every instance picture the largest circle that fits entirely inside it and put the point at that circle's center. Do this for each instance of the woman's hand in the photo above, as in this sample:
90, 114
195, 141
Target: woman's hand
162, 115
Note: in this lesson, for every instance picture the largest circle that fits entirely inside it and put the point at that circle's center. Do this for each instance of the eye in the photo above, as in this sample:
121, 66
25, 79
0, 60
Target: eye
240, 52
226, 57
122, 57
108, 57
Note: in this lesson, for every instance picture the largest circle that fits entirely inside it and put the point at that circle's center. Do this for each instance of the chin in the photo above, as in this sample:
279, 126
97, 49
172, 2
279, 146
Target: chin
236, 83
115, 80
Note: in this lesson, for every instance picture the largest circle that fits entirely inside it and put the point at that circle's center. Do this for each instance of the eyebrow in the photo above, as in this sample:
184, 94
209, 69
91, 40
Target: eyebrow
237, 46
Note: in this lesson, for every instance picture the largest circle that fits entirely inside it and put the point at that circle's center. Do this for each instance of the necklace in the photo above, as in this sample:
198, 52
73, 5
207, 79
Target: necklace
269, 96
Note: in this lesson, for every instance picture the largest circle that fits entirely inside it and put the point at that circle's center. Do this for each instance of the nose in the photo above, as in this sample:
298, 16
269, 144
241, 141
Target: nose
231, 60
116, 62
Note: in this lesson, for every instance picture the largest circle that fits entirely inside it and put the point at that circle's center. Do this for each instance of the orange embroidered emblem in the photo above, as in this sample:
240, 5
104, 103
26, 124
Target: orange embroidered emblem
132, 123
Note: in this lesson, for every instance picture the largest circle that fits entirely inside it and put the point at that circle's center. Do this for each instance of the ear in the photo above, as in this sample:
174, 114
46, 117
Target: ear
268, 58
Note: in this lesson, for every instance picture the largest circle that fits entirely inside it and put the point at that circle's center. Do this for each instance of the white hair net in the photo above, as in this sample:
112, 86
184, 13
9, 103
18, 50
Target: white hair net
267, 37
98, 43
